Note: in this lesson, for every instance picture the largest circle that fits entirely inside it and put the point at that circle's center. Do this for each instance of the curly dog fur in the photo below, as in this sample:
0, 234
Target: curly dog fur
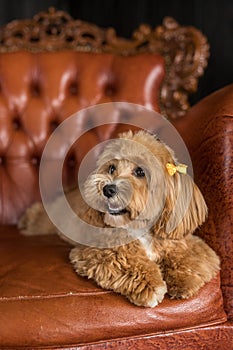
132, 191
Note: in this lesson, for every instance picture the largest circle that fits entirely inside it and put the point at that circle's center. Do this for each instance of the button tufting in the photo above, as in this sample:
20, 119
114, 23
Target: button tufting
16, 123
73, 88
35, 160
2, 160
35, 89
110, 90
71, 161
53, 125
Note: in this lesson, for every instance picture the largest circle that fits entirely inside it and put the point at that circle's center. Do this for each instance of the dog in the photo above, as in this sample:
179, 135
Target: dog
150, 208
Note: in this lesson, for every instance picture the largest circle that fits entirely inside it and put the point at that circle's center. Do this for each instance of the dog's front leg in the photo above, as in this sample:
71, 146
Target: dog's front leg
120, 270
188, 266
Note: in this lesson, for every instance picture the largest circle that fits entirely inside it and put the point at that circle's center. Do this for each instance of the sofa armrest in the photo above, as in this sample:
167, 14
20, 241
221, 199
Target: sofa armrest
207, 130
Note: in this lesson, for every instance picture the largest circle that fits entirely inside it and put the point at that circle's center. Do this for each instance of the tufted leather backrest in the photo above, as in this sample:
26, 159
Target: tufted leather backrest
52, 66
40, 90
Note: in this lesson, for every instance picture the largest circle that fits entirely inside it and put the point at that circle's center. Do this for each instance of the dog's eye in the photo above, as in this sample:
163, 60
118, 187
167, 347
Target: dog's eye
139, 172
111, 169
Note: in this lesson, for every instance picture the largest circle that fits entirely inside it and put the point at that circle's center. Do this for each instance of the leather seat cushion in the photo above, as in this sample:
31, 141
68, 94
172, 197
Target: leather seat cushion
43, 302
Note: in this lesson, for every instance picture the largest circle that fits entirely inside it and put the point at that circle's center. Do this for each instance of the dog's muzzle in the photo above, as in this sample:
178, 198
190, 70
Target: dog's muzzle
109, 191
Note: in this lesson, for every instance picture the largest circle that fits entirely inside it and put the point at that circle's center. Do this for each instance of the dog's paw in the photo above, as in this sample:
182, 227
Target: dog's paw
28, 222
184, 287
158, 296
36, 222
78, 261
149, 297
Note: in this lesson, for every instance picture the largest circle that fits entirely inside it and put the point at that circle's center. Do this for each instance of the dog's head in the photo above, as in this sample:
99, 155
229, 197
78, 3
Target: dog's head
134, 189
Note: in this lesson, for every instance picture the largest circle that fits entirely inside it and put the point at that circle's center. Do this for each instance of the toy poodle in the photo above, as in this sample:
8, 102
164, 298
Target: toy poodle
151, 206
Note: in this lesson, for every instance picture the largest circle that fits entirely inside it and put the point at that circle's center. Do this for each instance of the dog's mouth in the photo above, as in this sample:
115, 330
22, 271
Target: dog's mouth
117, 212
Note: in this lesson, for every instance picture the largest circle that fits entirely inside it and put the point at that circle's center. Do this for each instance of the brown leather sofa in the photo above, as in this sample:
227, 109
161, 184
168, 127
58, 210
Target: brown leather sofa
51, 67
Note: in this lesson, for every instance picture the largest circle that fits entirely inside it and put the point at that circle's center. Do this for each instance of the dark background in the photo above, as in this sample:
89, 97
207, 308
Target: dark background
213, 17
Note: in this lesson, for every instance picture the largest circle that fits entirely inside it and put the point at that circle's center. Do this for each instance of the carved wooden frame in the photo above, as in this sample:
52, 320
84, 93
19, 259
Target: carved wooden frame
185, 48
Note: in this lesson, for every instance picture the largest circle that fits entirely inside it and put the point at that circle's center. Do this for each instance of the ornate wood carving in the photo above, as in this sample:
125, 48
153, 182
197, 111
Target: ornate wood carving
185, 48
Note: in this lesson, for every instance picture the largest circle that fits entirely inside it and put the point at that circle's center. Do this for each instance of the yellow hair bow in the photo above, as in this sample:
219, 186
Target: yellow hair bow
172, 168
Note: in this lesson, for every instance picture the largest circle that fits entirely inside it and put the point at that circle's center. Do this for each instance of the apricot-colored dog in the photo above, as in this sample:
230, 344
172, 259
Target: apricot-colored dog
151, 207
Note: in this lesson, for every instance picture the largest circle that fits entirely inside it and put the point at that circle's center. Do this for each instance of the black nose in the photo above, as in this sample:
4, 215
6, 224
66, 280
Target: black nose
109, 190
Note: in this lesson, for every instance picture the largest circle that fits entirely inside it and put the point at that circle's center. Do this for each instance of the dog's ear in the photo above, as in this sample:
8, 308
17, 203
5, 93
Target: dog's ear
184, 210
